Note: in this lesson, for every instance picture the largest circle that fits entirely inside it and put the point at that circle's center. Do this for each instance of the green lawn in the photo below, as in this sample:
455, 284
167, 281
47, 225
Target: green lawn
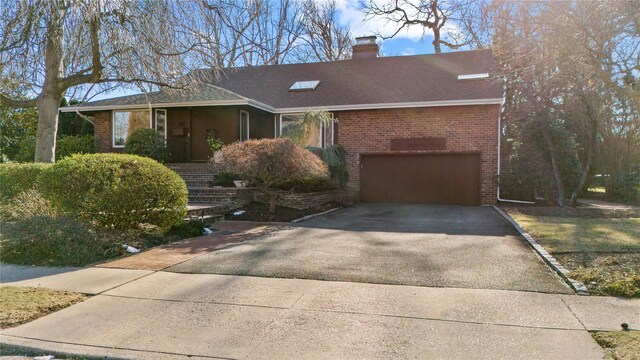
575, 234
620, 345
19, 305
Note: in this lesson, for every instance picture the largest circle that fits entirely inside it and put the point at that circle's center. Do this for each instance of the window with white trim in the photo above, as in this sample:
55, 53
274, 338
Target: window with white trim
126, 122
161, 122
244, 125
321, 137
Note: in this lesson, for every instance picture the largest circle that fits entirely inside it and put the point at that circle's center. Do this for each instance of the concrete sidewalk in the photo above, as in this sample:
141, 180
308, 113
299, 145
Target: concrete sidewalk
169, 315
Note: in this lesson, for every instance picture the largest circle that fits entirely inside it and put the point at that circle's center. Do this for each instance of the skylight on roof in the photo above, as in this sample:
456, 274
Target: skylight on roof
473, 76
304, 85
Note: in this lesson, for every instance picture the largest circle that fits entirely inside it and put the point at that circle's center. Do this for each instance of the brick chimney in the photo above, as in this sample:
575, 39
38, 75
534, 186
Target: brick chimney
365, 48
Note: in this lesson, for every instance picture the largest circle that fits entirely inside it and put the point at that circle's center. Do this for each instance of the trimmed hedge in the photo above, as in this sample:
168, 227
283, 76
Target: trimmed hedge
74, 144
48, 241
148, 143
17, 178
116, 190
269, 162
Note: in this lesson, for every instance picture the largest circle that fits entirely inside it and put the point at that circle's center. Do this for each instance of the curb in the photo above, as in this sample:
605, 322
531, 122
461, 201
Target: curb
577, 286
309, 217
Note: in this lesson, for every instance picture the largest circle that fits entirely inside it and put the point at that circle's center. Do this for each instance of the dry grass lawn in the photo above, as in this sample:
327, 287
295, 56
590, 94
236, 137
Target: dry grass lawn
603, 253
576, 234
19, 305
620, 345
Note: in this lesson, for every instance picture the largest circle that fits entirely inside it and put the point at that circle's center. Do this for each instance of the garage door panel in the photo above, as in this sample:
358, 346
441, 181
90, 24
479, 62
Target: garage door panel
421, 178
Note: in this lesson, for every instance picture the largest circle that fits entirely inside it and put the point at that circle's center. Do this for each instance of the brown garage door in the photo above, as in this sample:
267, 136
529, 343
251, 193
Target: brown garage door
442, 178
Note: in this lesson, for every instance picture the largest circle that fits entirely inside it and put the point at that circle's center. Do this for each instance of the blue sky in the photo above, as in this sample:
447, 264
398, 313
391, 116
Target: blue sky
412, 41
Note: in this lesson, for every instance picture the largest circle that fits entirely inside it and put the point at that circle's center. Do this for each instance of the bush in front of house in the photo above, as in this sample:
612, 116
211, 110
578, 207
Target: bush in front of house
268, 162
74, 144
48, 241
17, 178
148, 143
335, 157
225, 179
27, 204
116, 190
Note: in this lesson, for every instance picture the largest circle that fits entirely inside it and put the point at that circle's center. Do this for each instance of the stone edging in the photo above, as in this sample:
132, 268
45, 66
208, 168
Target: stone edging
577, 286
309, 217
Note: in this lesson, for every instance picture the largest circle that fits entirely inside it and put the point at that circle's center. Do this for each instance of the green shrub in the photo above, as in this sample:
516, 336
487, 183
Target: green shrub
148, 143
336, 159
224, 179
26, 150
116, 190
74, 144
215, 144
29, 203
48, 241
188, 229
17, 178
625, 187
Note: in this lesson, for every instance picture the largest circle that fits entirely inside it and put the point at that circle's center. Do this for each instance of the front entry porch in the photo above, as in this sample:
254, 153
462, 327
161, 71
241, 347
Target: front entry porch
188, 129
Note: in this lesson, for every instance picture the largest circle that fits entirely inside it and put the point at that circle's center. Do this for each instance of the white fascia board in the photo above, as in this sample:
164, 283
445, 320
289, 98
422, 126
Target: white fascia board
164, 105
403, 105
265, 107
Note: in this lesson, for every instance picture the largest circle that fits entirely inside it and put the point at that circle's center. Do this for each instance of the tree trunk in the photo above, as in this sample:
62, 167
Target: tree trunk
554, 167
47, 107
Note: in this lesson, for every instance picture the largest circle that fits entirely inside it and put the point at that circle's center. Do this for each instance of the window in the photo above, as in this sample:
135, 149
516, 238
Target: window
304, 85
321, 137
126, 122
244, 125
161, 122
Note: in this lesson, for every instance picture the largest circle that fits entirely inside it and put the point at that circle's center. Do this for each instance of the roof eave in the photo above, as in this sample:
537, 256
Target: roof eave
397, 105
265, 107
250, 102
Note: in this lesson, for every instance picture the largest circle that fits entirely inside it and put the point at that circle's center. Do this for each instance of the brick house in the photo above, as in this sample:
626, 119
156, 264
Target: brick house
417, 129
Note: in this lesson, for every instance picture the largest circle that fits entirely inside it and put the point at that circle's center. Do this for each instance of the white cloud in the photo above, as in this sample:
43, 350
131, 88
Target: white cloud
408, 51
351, 14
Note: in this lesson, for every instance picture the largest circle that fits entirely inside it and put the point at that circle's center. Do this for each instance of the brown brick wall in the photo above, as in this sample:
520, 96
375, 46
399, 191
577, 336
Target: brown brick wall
102, 131
466, 128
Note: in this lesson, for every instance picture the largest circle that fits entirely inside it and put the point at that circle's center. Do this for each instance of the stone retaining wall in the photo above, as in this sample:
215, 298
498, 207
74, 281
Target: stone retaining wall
237, 197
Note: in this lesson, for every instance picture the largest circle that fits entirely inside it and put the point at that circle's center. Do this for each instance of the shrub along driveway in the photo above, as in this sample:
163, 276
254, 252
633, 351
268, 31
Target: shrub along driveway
441, 246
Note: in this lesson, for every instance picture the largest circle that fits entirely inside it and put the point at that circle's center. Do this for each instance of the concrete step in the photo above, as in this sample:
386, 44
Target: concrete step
198, 183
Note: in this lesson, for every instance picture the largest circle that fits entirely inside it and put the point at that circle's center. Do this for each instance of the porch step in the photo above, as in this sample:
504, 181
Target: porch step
206, 209
198, 183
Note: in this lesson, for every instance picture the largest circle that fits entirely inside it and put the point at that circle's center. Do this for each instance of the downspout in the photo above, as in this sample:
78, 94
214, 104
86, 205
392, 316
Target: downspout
504, 95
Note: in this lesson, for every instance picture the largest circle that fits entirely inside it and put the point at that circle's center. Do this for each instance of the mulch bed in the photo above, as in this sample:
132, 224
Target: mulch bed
585, 212
260, 212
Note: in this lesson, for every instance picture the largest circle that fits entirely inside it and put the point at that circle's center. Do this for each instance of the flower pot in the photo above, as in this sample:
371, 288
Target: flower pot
241, 183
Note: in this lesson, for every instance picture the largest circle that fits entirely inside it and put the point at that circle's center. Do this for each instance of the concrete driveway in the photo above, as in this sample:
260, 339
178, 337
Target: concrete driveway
423, 245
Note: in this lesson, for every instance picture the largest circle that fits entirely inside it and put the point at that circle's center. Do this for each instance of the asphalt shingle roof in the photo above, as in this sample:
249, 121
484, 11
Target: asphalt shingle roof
383, 80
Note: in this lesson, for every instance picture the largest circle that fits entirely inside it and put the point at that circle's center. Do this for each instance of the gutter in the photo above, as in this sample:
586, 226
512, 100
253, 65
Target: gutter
265, 107
500, 157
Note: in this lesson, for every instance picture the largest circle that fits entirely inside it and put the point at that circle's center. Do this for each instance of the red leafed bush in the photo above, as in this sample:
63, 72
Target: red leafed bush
268, 163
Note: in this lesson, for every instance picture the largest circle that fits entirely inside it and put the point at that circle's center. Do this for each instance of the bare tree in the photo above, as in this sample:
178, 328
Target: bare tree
255, 32
51, 46
325, 38
565, 95
454, 23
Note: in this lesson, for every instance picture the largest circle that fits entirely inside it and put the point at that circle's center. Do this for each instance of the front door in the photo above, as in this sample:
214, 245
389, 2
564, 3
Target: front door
221, 123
